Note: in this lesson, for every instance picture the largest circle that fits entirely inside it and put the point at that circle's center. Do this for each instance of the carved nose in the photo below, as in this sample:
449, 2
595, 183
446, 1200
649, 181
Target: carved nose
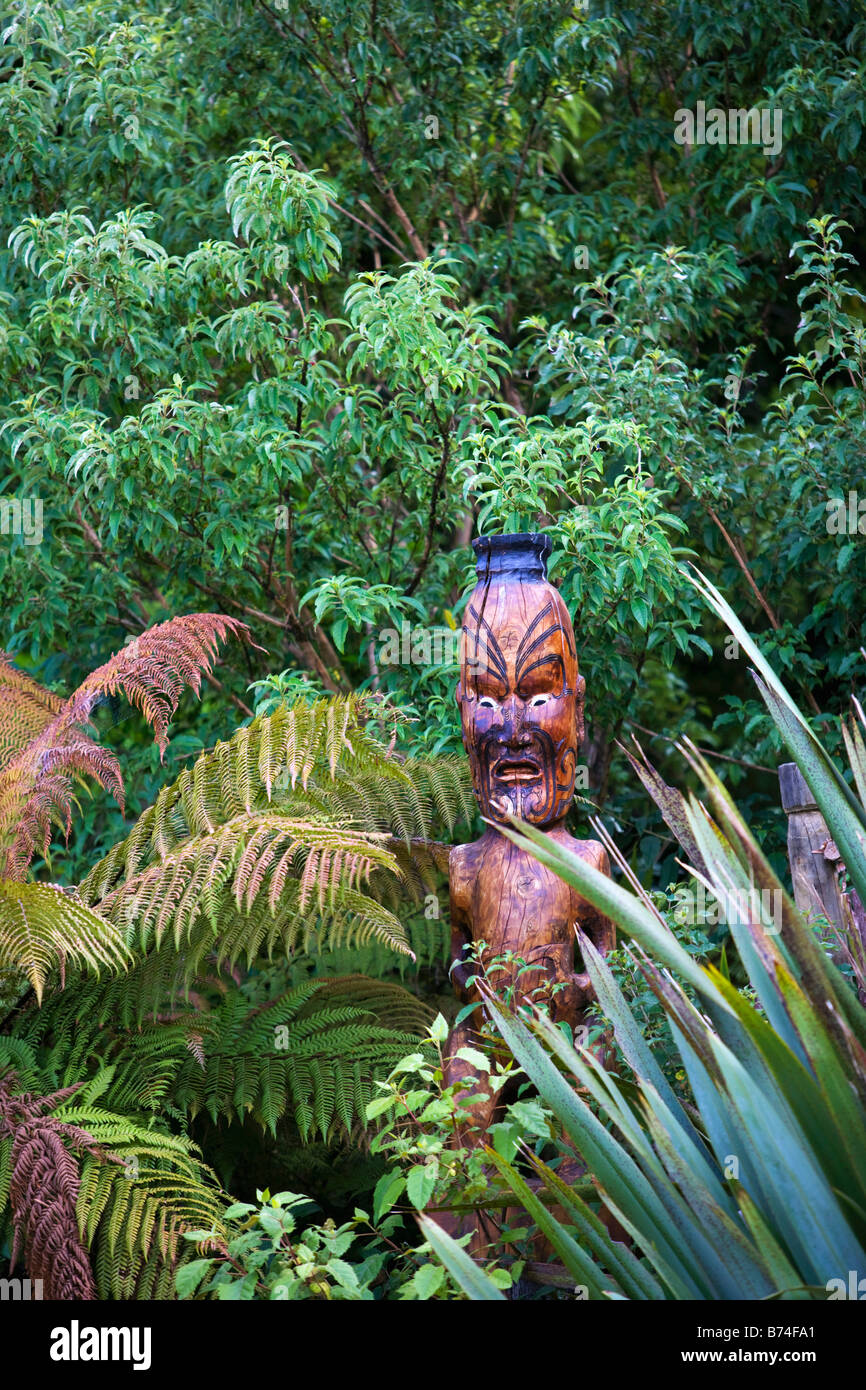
516, 735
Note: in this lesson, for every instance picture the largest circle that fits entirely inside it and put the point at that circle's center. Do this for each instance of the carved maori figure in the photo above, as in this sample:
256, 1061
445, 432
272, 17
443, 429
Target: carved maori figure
521, 703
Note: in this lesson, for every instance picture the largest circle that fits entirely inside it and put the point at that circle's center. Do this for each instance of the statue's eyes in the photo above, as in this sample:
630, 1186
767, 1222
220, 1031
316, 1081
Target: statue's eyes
487, 702
538, 700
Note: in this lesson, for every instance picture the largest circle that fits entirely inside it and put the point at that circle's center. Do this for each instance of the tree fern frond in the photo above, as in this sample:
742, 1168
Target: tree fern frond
43, 1188
429, 938
153, 669
322, 748
245, 1054
36, 791
304, 808
128, 1199
134, 1218
393, 1006
447, 782
323, 1031
225, 875
36, 780
43, 927
19, 1057
26, 708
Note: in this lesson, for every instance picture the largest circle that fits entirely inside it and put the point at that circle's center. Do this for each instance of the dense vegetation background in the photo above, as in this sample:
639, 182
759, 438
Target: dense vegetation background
297, 298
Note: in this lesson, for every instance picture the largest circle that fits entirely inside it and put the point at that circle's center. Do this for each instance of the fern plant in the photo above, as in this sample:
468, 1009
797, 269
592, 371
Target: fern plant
161, 987
126, 1202
299, 828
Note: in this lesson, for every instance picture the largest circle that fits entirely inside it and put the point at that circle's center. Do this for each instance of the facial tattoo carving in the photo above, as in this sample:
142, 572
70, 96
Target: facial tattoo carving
521, 699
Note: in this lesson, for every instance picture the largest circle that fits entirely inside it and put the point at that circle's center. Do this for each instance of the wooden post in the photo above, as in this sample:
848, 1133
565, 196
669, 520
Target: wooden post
812, 855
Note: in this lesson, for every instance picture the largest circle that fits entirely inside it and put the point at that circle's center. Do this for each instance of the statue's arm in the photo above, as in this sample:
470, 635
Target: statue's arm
594, 924
461, 925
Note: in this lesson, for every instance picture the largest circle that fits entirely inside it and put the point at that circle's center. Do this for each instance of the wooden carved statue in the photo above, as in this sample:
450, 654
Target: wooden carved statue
521, 703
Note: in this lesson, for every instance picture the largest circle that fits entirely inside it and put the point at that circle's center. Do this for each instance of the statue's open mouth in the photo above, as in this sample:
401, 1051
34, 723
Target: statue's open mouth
516, 771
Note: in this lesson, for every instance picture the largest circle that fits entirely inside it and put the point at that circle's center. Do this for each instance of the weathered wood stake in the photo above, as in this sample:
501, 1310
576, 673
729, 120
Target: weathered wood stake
812, 854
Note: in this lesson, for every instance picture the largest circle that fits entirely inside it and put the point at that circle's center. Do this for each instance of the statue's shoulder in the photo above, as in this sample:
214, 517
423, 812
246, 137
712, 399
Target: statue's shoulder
592, 851
457, 857
460, 871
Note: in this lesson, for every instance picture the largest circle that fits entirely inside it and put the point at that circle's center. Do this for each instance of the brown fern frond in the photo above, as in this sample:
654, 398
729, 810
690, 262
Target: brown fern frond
36, 793
25, 708
36, 780
44, 1188
153, 670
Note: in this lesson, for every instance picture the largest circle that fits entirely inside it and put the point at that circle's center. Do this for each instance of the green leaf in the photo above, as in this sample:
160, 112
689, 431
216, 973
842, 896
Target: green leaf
344, 1275
386, 1192
379, 1104
190, 1275
463, 1269
439, 1029
428, 1280
474, 1058
531, 1117
579, 1265
420, 1183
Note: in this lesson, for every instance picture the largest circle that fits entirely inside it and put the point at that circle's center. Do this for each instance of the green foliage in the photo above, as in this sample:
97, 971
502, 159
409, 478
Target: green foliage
202, 880
285, 835
313, 1050
139, 1186
295, 299
439, 1160
481, 284
279, 1252
261, 1260
41, 924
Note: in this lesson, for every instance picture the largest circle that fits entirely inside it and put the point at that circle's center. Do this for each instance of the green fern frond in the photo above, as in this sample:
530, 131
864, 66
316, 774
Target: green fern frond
329, 1031
256, 882
305, 808
301, 834
343, 772
447, 782
228, 1057
429, 939
136, 1223
393, 1006
135, 1189
132, 1212
19, 1057
43, 926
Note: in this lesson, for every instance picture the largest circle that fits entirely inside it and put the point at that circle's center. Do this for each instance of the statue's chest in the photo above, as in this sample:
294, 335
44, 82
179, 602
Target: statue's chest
518, 903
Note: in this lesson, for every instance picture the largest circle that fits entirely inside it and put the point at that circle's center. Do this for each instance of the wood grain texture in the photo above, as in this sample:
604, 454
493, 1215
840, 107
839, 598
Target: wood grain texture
812, 856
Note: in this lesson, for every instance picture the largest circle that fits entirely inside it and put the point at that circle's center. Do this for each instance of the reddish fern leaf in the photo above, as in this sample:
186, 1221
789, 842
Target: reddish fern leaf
153, 670
43, 1191
25, 709
36, 779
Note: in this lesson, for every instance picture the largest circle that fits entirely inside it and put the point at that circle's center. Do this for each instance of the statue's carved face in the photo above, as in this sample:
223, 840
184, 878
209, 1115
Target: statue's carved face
521, 701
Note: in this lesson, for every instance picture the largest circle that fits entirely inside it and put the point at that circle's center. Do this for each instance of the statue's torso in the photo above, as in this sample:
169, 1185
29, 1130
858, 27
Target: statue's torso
503, 896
